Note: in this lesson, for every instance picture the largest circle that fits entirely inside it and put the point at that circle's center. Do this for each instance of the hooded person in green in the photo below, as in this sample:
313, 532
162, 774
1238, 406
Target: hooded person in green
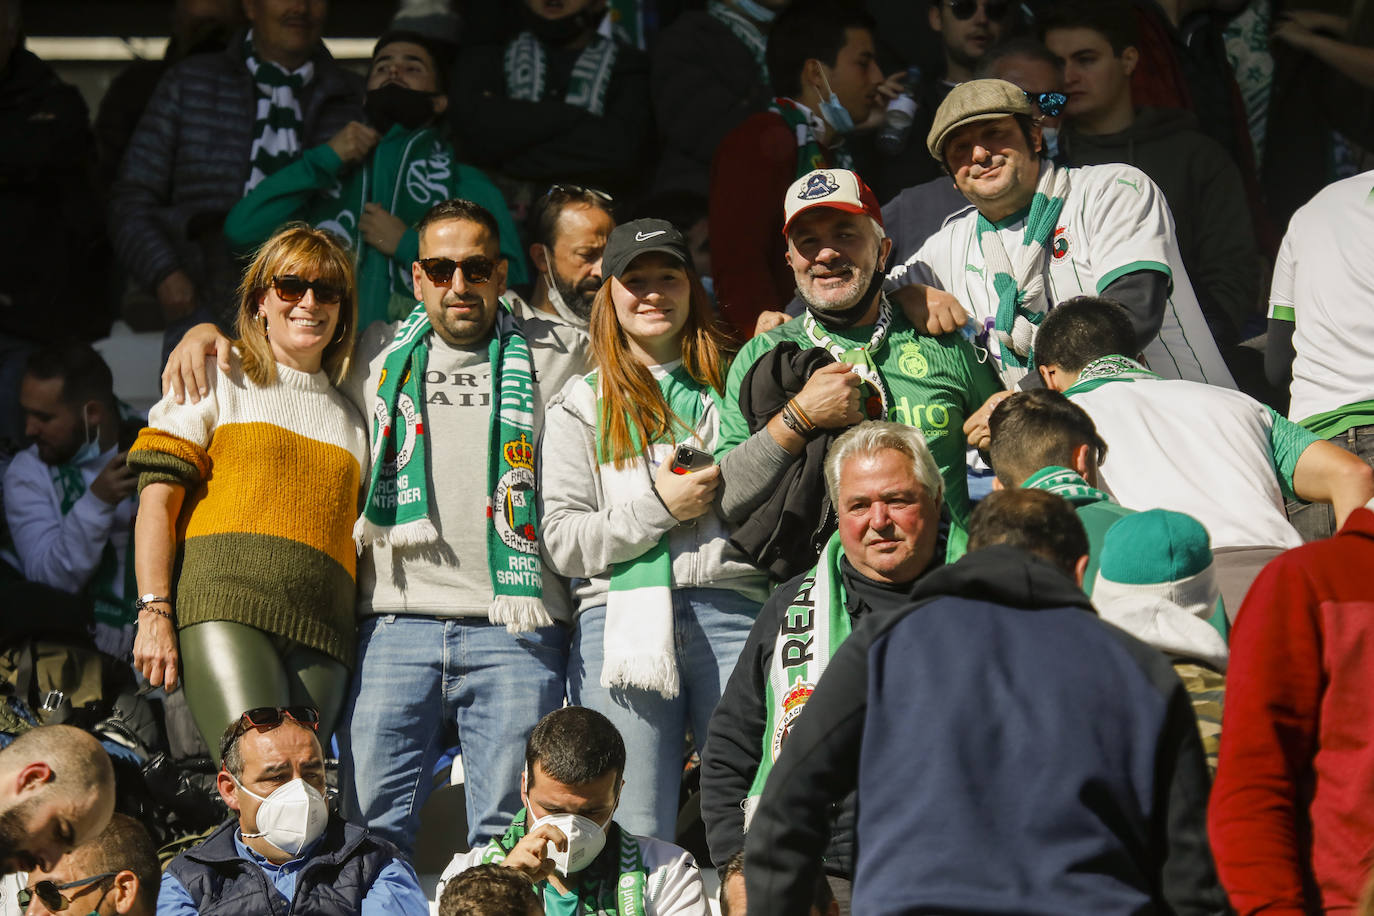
372, 183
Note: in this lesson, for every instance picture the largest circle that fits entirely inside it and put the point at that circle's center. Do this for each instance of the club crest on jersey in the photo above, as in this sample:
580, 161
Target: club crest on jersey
1060, 248
911, 361
821, 184
792, 706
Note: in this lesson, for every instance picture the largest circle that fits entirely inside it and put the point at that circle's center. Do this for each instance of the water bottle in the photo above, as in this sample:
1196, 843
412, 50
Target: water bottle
901, 112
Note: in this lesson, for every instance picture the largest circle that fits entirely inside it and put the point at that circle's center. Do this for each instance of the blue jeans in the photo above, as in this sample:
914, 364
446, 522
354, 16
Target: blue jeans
1315, 521
710, 626
421, 683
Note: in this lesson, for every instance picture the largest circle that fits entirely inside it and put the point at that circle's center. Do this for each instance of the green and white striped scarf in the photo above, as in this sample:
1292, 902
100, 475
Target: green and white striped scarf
810, 156
1115, 368
613, 885
813, 626
527, 68
1066, 483
743, 28
277, 121
639, 649
398, 502
1018, 277
112, 611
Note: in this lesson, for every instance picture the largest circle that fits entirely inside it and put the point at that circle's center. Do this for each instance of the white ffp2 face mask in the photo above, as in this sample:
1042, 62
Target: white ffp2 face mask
291, 818
585, 836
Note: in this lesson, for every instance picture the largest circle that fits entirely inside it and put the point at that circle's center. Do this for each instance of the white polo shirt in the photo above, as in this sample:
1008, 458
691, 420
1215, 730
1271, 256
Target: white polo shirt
1324, 282
1114, 222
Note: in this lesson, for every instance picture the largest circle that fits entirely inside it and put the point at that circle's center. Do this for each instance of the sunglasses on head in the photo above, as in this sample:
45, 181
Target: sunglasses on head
577, 190
476, 269
965, 9
291, 288
50, 894
271, 717
1049, 103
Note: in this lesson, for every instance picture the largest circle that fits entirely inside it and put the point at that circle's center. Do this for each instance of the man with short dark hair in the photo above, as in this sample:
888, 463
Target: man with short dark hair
285, 850
1096, 41
825, 77
934, 714
1213, 453
490, 890
1099, 230
57, 792
216, 126
565, 840
372, 181
1043, 441
887, 491
114, 874
568, 227
70, 499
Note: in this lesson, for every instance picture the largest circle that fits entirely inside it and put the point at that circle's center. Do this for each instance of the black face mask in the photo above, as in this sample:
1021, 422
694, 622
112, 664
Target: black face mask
558, 32
837, 321
395, 104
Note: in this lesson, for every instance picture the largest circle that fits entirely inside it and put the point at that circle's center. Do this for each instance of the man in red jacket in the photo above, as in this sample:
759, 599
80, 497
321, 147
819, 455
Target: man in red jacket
1292, 811
821, 63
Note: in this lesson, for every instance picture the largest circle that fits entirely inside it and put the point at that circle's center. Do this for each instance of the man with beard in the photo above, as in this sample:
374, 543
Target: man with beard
116, 874
568, 228
56, 793
884, 368
372, 182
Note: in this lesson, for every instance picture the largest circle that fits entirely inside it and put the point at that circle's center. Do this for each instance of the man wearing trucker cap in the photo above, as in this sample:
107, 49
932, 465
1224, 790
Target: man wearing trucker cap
884, 369
1039, 234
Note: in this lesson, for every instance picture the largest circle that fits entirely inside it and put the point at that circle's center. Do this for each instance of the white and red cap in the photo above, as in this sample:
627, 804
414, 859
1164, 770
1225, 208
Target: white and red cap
839, 189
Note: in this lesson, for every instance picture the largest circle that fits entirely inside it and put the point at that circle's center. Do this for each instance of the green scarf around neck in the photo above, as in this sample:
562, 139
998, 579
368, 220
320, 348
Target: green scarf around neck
113, 610
277, 118
1104, 369
398, 503
814, 625
613, 885
810, 155
527, 70
1067, 483
743, 28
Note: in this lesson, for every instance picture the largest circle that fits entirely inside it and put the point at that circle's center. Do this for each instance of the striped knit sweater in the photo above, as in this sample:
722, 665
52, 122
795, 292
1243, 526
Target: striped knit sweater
271, 476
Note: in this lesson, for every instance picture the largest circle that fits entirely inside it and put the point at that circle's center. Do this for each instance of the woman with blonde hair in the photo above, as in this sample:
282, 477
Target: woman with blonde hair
243, 543
630, 513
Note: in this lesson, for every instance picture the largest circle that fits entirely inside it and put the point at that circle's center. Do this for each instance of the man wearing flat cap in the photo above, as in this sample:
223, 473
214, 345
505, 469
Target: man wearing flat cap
1039, 234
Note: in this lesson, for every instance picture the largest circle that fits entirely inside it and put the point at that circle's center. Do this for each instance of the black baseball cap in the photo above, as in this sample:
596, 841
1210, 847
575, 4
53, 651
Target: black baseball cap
641, 236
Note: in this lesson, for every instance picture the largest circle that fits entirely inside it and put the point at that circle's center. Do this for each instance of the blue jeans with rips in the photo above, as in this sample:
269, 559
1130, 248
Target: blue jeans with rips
423, 684
710, 626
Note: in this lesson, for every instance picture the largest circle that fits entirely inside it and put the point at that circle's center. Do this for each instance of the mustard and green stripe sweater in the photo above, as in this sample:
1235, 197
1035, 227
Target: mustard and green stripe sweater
271, 476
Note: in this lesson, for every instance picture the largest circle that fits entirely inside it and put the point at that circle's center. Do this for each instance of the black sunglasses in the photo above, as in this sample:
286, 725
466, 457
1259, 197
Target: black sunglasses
1049, 103
50, 894
292, 288
476, 269
964, 9
271, 717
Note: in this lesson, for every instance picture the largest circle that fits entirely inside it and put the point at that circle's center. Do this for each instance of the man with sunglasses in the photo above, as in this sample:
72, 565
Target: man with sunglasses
285, 851
1202, 185
116, 874
372, 181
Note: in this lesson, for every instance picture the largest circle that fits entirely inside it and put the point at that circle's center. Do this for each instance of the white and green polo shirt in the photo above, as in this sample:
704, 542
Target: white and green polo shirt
1114, 222
1324, 284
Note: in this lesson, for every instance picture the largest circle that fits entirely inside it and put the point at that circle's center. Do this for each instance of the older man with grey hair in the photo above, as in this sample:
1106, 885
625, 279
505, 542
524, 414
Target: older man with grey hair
886, 489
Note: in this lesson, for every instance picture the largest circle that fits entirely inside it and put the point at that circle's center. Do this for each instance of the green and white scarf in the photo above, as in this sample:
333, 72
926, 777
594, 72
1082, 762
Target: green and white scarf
743, 28
613, 885
1067, 483
113, 611
1105, 369
399, 503
277, 121
638, 645
813, 626
627, 21
810, 156
527, 68
1018, 277
878, 401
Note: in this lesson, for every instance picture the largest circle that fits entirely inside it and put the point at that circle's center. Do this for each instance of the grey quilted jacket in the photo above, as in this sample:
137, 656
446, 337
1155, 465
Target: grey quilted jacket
187, 162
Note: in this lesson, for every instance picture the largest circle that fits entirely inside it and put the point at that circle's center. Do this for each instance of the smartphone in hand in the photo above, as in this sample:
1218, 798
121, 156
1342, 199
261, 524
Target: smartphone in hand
688, 459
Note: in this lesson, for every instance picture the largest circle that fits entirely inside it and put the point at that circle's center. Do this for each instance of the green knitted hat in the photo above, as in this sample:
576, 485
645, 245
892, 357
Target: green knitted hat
1155, 547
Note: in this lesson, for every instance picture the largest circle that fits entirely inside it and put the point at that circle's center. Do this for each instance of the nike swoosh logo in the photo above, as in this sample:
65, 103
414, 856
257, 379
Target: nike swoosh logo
645, 236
